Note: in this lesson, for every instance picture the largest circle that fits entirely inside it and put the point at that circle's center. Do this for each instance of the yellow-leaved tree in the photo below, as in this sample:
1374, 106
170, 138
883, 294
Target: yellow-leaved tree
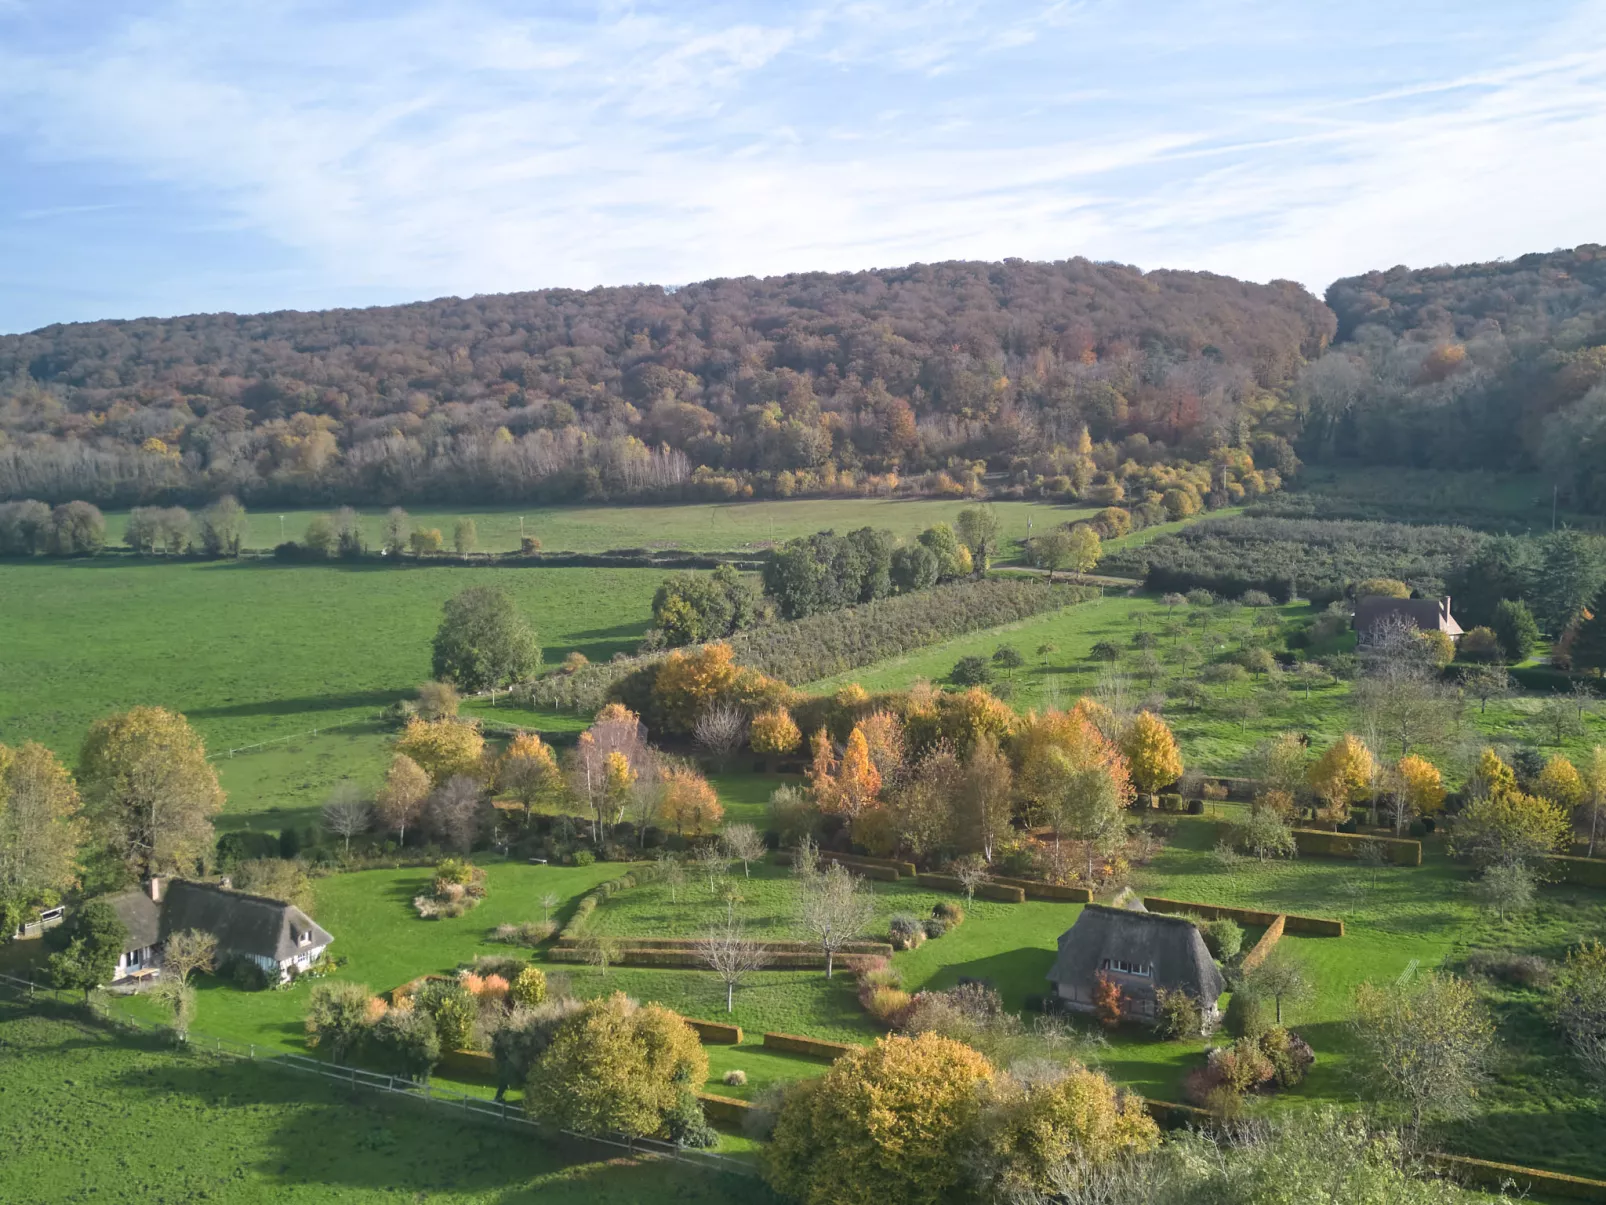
443, 748
400, 802
1152, 756
884, 1124
616, 1067
689, 802
40, 832
528, 771
773, 734
687, 683
857, 779
1560, 782
1343, 775
149, 792
1420, 786
1510, 828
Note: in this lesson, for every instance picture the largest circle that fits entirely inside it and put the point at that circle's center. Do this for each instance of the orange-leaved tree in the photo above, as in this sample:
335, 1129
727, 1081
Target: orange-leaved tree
1151, 752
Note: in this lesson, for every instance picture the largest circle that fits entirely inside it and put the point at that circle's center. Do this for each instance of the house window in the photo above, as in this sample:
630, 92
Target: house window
1128, 968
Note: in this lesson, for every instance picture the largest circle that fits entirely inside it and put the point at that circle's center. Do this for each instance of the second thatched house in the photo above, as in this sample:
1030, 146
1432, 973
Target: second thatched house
1139, 952
276, 936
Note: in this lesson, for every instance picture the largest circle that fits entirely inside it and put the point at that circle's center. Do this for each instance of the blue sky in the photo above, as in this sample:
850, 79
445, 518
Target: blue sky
173, 157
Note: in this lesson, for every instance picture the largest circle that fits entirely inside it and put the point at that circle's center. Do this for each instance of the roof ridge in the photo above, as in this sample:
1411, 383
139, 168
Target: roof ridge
229, 893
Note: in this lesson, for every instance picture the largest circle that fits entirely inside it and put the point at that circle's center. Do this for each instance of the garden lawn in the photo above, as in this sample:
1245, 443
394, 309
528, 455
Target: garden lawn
719, 526
85, 1115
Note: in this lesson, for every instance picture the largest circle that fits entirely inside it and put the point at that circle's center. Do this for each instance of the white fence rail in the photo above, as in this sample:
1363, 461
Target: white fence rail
430, 1094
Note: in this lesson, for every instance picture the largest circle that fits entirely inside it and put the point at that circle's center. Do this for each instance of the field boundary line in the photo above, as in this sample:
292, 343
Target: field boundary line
29, 994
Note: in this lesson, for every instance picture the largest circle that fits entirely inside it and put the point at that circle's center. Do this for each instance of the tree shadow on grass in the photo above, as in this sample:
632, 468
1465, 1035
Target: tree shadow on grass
316, 1133
1015, 973
307, 704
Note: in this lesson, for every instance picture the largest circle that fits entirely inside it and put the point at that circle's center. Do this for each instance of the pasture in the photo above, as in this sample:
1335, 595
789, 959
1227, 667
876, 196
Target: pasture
704, 526
86, 1115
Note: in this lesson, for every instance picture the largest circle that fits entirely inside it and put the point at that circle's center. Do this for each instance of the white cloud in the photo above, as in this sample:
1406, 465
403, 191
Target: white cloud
449, 148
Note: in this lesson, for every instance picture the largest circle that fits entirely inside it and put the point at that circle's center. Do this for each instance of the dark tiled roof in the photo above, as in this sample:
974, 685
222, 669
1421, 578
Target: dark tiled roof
139, 916
242, 924
1427, 614
1169, 944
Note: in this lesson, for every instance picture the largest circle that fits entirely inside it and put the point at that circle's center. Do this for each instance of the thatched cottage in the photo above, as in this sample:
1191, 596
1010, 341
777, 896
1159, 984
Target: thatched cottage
1139, 951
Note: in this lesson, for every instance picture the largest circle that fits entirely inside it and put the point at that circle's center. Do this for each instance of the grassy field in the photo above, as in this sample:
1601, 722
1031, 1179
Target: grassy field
87, 1116
720, 526
258, 651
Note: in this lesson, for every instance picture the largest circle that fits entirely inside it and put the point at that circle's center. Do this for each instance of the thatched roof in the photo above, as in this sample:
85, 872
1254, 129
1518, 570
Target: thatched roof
1170, 946
242, 924
139, 916
1424, 614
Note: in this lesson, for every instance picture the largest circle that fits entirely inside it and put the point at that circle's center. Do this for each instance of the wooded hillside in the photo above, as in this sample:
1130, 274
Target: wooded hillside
795, 384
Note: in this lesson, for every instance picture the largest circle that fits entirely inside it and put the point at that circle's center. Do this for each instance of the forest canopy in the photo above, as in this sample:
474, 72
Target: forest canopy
1048, 377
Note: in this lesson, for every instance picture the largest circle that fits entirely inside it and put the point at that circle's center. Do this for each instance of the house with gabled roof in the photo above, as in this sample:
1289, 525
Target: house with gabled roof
1139, 952
276, 936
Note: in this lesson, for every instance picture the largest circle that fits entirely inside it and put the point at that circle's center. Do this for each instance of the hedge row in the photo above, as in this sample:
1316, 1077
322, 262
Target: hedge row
1312, 842
1035, 889
643, 873
1315, 926
1268, 939
782, 947
1171, 1116
715, 1033
988, 891
881, 874
726, 1110
816, 1048
906, 870
783, 960
1582, 872
1528, 1180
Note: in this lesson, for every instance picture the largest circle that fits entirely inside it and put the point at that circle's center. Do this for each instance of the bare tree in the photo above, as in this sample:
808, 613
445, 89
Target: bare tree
615, 731
721, 730
1399, 695
188, 951
672, 874
646, 799
1485, 682
971, 873
834, 910
347, 812
806, 859
549, 901
400, 801
453, 812
712, 861
729, 953
743, 844
600, 950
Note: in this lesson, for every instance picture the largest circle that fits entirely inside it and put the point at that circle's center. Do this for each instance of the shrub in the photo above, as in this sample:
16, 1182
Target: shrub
405, 1042
1223, 937
337, 1018
452, 1007
529, 988
1289, 1054
888, 1005
584, 857
1243, 1066
1177, 1016
936, 926
528, 933
735, 1078
949, 911
1257, 598
884, 975
1523, 970
905, 931
971, 671
1247, 1015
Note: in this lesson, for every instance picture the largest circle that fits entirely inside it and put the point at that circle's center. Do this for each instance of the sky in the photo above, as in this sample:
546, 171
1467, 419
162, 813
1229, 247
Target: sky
163, 157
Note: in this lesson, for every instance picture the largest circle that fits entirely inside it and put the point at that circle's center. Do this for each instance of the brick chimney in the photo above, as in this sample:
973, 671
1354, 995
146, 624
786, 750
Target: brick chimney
154, 886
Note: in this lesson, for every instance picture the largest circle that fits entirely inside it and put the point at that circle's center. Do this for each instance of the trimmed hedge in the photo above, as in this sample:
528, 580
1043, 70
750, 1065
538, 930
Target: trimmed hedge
475, 1064
642, 872
907, 870
1582, 872
881, 874
1263, 947
1527, 1179
991, 890
1036, 889
724, 1110
816, 1048
1314, 926
715, 1033
633, 956
694, 943
1314, 842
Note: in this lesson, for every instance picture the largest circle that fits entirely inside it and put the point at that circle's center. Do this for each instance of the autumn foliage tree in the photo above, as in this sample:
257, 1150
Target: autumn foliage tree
1151, 753
443, 748
528, 771
149, 792
774, 734
689, 803
1343, 775
41, 830
400, 801
883, 1124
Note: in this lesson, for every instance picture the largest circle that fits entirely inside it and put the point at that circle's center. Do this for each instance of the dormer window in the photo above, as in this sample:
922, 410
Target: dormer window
1124, 967
304, 939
